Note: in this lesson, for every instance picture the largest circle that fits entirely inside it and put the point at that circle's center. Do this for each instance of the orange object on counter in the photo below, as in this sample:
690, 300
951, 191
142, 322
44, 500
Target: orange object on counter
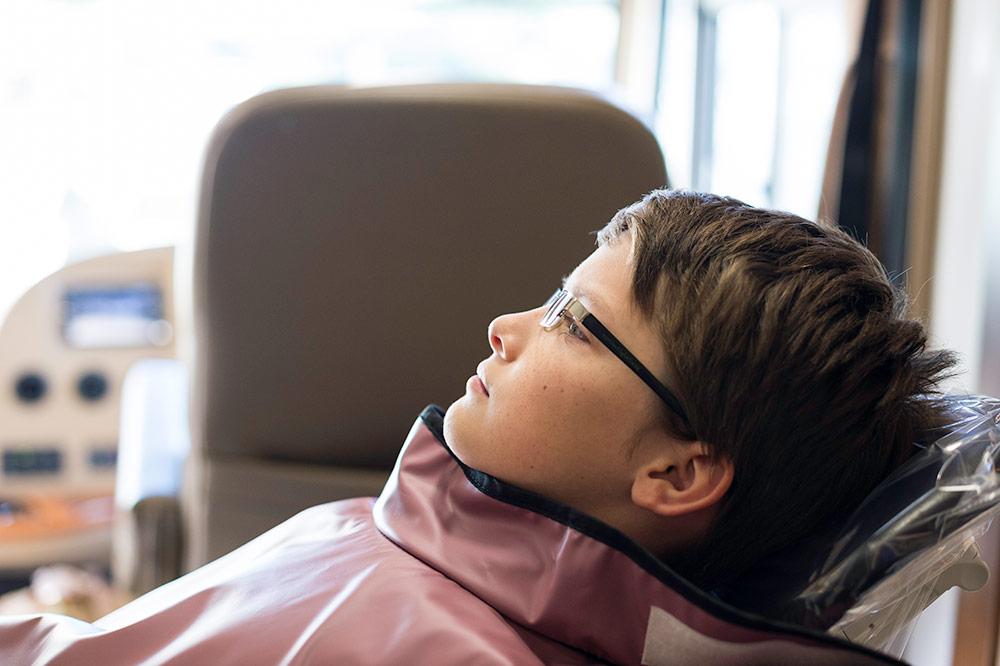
39, 517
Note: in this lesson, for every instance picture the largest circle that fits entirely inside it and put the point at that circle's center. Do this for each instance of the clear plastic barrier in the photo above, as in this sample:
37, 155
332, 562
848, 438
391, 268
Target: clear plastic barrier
931, 511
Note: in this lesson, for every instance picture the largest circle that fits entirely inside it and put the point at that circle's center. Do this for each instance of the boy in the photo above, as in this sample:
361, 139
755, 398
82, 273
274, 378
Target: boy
799, 384
713, 383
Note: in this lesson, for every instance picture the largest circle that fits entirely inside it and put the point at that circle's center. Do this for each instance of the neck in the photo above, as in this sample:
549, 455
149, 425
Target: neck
663, 536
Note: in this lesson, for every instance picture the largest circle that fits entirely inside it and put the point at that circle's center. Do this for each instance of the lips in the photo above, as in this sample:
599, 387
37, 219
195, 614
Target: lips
481, 373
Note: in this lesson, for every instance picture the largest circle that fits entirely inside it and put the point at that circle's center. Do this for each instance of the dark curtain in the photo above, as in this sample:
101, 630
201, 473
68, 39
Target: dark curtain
867, 183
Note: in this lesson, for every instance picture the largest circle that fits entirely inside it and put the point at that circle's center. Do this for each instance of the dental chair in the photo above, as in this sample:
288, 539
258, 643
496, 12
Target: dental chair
350, 240
347, 242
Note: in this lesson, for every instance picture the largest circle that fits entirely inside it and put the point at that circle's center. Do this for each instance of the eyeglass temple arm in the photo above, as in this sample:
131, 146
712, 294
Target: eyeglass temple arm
619, 350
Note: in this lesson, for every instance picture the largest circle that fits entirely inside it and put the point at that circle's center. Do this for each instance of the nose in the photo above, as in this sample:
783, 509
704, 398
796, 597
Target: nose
508, 333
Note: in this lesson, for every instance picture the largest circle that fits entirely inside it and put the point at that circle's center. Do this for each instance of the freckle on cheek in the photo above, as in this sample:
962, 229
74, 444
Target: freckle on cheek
544, 386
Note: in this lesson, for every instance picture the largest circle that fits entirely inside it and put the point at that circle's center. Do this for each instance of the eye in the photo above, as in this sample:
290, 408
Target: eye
575, 329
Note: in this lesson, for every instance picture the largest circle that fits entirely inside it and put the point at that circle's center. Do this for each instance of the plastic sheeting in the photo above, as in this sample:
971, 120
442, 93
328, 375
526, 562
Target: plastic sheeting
914, 537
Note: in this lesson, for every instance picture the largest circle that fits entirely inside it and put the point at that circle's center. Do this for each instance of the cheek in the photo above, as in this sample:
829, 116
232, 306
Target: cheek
510, 434
556, 411
540, 422
540, 399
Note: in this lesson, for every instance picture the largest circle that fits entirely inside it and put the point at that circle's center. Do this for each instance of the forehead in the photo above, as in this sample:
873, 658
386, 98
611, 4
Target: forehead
603, 283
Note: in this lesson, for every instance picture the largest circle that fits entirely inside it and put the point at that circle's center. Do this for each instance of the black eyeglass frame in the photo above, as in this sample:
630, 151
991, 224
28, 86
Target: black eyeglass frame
563, 303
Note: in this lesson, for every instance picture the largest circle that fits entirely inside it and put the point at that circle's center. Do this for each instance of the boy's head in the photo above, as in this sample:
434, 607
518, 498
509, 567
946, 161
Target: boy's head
783, 340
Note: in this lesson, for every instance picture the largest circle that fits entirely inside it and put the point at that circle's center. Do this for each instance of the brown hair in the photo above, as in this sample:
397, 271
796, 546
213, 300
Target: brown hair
790, 350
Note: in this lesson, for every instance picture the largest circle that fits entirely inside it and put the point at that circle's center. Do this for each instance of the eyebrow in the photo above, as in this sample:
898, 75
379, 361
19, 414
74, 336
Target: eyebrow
583, 294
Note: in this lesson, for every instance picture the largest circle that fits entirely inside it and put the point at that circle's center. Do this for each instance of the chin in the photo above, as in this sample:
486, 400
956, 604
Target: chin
455, 428
450, 416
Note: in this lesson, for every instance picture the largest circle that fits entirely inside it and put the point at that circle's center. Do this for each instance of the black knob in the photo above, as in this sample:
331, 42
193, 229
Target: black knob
30, 387
92, 386
11, 507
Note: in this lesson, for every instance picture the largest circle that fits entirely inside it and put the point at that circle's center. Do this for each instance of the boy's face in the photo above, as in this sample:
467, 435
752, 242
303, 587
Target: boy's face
562, 414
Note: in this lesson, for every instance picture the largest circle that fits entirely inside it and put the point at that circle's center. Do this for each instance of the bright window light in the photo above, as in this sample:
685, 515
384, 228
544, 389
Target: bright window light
107, 105
748, 89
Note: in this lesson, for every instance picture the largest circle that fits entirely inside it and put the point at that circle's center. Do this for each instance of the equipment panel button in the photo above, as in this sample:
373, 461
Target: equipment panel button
30, 387
92, 386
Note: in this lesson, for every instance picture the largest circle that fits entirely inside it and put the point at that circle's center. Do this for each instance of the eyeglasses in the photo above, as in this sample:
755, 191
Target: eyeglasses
562, 306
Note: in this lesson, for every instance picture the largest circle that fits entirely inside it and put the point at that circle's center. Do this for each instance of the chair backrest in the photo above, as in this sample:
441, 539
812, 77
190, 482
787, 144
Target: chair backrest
352, 246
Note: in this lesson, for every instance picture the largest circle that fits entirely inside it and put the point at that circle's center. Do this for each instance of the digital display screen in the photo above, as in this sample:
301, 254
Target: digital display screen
103, 458
31, 461
125, 316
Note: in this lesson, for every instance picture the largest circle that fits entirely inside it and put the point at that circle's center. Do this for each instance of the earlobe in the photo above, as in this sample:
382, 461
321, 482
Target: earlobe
683, 482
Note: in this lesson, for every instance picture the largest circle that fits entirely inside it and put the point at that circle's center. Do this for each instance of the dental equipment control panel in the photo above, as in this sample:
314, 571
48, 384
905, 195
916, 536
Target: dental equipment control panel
65, 347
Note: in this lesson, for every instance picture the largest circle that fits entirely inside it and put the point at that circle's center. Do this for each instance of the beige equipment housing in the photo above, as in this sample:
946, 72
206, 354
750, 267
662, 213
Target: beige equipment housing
65, 348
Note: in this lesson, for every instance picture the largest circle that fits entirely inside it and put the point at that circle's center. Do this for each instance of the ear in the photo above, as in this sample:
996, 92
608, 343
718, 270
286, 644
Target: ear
682, 480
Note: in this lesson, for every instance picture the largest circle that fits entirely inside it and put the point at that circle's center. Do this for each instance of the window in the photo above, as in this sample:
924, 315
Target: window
747, 95
107, 105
